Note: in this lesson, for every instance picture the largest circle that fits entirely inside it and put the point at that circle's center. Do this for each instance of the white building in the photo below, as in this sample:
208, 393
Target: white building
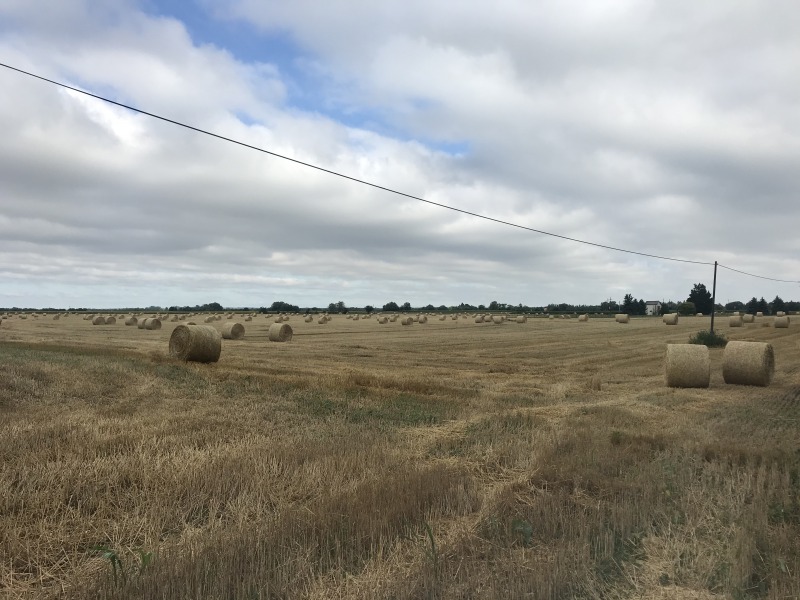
653, 308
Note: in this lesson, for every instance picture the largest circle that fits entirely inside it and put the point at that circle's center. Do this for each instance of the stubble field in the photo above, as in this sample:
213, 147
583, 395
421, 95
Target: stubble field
444, 460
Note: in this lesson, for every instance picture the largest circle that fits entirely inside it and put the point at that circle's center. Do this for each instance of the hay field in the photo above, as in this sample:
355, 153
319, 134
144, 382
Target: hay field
361, 460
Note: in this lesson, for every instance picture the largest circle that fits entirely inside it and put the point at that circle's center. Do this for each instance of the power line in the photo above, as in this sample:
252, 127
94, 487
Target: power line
374, 185
759, 276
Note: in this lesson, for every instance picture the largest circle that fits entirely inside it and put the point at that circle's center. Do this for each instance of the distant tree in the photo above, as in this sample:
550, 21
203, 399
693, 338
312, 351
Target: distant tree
406, 306
777, 305
279, 306
341, 307
763, 306
481, 307
369, 308
609, 306
641, 307
391, 307
701, 298
627, 304
442, 307
493, 305
735, 306
752, 306
687, 308
332, 307
429, 307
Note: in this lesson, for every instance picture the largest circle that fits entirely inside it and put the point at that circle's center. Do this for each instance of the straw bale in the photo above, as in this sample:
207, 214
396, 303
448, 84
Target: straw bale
442, 317
422, 319
687, 366
209, 319
140, 323
383, 320
308, 319
748, 363
198, 343
497, 320
232, 331
111, 320
522, 319
780, 313
748, 318
670, 319
322, 320
479, 319
280, 332
735, 321
248, 318
781, 322
406, 321
152, 324
98, 320
759, 314
699, 315
583, 318
622, 318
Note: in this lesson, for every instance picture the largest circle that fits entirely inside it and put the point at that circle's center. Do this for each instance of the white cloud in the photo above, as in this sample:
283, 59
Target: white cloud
671, 129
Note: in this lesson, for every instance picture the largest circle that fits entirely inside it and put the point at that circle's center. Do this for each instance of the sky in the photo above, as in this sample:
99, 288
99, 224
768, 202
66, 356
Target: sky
666, 128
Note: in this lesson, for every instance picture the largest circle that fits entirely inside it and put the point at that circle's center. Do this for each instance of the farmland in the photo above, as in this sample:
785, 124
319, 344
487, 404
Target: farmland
360, 460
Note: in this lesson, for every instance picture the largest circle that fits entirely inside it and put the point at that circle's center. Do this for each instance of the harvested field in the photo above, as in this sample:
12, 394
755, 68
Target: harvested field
367, 460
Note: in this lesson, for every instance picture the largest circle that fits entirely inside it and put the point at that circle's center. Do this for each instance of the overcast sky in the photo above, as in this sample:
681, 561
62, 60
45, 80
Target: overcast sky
669, 128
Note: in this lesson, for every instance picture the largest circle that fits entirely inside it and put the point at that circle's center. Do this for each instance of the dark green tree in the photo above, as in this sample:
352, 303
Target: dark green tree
752, 306
641, 307
687, 308
369, 308
701, 298
406, 306
763, 306
735, 306
493, 305
391, 307
777, 305
628, 304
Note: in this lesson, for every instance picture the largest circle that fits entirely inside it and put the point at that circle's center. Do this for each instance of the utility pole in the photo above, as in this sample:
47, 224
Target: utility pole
713, 297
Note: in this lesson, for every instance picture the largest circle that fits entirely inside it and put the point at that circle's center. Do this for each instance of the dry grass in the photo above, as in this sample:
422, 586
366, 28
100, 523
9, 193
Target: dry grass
380, 461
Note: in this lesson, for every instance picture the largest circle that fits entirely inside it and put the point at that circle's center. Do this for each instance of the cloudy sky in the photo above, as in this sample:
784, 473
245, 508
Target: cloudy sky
669, 128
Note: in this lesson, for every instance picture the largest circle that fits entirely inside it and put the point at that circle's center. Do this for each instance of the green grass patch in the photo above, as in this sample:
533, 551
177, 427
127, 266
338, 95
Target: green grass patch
712, 339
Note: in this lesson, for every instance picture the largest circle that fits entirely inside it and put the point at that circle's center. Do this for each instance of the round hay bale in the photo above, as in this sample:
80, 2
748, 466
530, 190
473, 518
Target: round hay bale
622, 318
321, 321
99, 321
748, 363
308, 319
232, 331
383, 320
551, 317
140, 323
356, 317
522, 319
209, 319
699, 315
759, 314
442, 317
131, 321
197, 343
687, 366
248, 318
152, 324
670, 319
280, 332
454, 318
583, 318
406, 321
735, 321
111, 320
781, 322
423, 319
278, 319
479, 319
229, 316
748, 318
56, 317
393, 318
780, 313
191, 323
497, 320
